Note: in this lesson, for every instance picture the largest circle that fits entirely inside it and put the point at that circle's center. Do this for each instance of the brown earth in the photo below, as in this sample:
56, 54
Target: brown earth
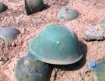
91, 12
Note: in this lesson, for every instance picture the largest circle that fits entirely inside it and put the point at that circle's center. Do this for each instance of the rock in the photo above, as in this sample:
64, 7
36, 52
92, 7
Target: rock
92, 33
80, 77
67, 13
1, 63
5, 59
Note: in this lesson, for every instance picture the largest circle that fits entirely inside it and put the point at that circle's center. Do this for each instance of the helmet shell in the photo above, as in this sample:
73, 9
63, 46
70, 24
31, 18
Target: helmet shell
56, 44
9, 34
67, 13
32, 6
99, 70
3, 7
28, 68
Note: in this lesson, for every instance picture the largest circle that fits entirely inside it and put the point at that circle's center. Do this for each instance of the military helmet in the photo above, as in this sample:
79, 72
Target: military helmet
56, 44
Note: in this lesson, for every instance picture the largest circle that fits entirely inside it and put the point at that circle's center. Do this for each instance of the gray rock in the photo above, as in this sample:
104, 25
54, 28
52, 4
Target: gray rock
5, 59
1, 63
92, 33
67, 13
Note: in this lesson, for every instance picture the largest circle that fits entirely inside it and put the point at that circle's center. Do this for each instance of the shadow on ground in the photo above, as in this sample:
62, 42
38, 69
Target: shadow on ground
78, 64
46, 6
30, 12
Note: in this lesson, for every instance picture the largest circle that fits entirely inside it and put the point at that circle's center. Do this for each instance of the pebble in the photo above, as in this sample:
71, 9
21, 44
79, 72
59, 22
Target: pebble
6, 59
1, 63
80, 77
92, 33
0, 58
2, 18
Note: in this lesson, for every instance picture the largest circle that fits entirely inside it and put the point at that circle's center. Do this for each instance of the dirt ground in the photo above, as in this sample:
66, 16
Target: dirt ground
91, 12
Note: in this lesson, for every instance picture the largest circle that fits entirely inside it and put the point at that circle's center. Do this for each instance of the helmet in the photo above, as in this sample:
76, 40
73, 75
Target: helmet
67, 13
56, 44
32, 6
9, 34
29, 68
3, 7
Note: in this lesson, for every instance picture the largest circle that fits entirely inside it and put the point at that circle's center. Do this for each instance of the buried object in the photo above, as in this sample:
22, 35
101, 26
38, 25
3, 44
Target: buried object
32, 6
2, 7
56, 44
28, 68
8, 34
102, 23
99, 70
67, 13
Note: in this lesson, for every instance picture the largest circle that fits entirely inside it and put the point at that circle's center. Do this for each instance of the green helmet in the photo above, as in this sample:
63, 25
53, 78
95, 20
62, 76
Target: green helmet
56, 44
99, 70
32, 6
29, 68
3, 7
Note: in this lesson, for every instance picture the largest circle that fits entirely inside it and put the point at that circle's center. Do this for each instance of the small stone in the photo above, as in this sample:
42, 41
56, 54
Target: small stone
54, 2
0, 58
8, 12
6, 59
67, 13
80, 77
1, 63
52, 13
2, 18
92, 33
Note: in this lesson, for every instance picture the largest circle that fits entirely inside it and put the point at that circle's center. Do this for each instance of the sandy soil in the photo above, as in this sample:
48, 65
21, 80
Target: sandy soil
91, 12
